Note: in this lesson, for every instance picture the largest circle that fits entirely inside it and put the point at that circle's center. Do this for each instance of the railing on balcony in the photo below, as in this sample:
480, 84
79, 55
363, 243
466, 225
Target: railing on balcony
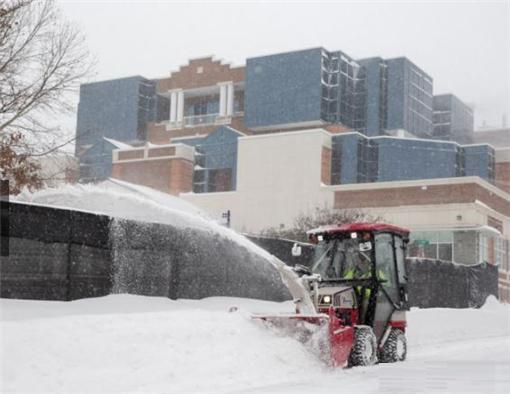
200, 119
203, 120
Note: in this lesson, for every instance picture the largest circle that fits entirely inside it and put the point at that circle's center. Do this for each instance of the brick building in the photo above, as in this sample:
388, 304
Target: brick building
291, 132
281, 92
455, 218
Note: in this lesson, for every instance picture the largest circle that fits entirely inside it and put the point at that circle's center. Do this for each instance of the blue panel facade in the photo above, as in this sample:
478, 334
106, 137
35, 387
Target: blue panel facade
409, 98
396, 97
96, 162
375, 70
283, 88
462, 126
344, 161
408, 159
216, 152
479, 161
453, 119
371, 96
343, 91
360, 159
117, 109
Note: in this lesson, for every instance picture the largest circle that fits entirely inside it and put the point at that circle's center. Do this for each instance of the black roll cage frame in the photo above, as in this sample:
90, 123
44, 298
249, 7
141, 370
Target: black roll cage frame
374, 283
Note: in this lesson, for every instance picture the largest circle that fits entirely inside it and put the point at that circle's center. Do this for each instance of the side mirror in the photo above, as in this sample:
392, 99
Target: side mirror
296, 250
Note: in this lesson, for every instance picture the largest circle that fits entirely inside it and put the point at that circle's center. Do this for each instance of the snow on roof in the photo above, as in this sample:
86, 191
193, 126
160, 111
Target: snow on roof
343, 228
118, 144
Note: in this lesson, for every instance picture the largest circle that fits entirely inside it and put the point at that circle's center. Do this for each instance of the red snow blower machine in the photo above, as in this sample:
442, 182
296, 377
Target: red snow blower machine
356, 292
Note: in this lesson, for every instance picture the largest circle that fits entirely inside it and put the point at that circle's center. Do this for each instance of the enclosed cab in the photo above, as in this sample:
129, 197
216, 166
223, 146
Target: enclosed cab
363, 277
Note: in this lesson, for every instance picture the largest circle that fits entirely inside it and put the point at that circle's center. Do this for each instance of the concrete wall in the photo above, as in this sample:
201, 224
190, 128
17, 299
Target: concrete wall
265, 197
436, 216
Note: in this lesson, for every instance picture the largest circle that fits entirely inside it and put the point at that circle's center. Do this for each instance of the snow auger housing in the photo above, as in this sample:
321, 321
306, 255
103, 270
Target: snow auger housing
358, 285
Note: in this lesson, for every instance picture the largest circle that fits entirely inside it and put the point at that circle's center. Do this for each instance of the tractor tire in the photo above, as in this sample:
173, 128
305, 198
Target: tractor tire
395, 347
364, 348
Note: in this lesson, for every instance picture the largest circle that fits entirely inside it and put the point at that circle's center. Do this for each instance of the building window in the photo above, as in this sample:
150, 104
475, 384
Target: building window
238, 101
204, 105
501, 253
399, 254
220, 180
385, 259
483, 248
436, 245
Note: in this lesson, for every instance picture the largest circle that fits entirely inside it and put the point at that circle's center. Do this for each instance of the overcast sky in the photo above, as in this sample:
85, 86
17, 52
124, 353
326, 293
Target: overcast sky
464, 46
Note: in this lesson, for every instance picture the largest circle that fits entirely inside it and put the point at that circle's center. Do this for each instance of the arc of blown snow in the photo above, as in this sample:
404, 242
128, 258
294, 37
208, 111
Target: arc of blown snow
296, 288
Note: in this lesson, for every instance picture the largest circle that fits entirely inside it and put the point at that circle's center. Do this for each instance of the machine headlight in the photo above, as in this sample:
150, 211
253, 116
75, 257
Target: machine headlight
326, 299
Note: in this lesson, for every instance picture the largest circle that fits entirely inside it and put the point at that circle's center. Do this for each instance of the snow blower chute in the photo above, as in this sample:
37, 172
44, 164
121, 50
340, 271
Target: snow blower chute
351, 300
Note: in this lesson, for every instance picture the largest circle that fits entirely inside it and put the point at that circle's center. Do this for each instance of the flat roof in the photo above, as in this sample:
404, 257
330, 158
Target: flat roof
351, 227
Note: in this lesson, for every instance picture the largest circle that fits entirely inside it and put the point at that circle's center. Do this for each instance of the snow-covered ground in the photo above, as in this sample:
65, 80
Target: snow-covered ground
126, 343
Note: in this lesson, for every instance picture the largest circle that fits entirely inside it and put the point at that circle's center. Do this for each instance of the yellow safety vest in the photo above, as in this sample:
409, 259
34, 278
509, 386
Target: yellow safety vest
350, 275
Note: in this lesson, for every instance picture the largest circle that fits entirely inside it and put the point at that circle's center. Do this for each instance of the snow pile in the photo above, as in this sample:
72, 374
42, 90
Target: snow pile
121, 199
437, 326
125, 343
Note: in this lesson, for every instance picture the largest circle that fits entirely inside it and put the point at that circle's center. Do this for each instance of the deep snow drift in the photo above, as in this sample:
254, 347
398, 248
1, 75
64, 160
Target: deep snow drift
125, 343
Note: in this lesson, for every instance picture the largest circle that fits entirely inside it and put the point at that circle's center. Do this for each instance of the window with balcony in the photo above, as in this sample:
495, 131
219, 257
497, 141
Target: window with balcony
201, 110
209, 105
238, 101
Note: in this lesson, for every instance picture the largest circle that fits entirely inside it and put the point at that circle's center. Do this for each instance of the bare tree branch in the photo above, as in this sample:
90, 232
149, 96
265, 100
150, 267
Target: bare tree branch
42, 59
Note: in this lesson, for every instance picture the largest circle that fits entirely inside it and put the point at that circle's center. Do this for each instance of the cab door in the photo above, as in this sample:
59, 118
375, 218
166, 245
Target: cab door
388, 292
400, 259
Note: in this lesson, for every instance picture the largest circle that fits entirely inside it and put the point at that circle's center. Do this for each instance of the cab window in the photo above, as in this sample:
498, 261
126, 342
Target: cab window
385, 259
400, 254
